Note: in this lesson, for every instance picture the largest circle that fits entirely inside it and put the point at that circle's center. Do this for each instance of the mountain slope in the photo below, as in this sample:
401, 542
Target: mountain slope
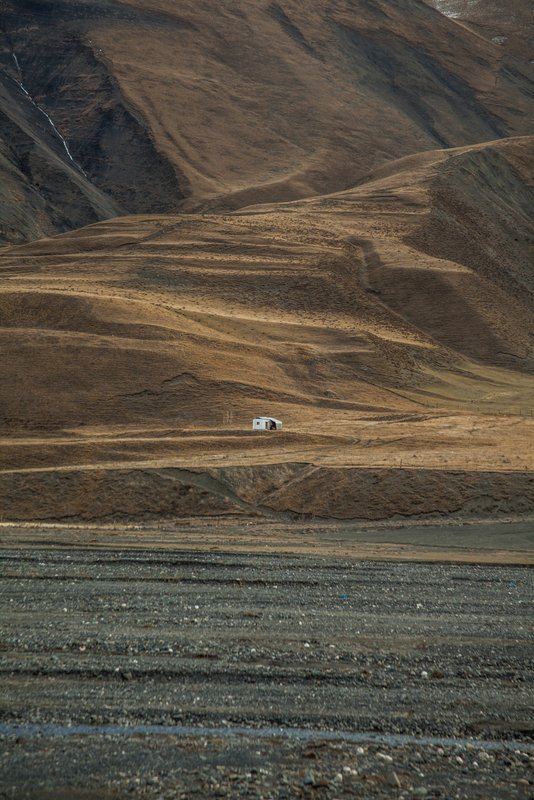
510, 24
264, 101
349, 301
43, 189
331, 224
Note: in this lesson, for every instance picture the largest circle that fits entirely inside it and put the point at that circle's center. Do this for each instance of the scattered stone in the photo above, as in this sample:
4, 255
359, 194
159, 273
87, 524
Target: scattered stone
396, 780
309, 779
420, 791
384, 757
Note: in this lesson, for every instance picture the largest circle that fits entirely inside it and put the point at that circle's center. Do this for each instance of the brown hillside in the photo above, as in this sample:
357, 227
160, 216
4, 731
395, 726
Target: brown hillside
161, 103
137, 350
317, 211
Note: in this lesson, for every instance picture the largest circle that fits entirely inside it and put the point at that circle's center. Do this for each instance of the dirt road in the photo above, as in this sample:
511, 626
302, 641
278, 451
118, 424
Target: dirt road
222, 641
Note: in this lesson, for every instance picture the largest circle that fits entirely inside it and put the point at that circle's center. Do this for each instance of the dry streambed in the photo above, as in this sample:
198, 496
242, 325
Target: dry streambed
220, 640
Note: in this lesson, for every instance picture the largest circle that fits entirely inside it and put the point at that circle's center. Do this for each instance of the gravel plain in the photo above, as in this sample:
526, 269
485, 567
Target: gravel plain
271, 643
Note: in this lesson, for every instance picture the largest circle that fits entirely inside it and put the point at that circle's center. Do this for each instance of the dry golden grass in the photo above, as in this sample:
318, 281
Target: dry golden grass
168, 105
147, 344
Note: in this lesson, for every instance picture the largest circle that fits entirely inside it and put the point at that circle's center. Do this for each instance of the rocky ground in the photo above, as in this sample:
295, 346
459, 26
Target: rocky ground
332, 647
235, 767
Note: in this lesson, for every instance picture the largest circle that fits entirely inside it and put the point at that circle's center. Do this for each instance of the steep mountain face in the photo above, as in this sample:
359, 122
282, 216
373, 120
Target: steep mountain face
481, 216
42, 188
156, 105
320, 211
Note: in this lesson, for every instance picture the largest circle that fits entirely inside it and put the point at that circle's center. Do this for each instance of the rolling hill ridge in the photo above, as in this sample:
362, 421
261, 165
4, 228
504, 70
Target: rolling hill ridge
321, 213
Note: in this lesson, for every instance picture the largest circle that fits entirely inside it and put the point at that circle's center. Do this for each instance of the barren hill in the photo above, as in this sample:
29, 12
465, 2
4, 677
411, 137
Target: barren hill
318, 211
112, 106
389, 326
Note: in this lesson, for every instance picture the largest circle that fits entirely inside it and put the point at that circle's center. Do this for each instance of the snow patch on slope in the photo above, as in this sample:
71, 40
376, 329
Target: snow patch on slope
444, 7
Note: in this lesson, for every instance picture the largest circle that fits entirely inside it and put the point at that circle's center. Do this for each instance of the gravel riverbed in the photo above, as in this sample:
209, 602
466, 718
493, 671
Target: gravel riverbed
219, 641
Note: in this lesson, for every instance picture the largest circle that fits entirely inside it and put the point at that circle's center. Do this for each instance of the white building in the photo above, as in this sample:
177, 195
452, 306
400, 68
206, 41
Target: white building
266, 424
